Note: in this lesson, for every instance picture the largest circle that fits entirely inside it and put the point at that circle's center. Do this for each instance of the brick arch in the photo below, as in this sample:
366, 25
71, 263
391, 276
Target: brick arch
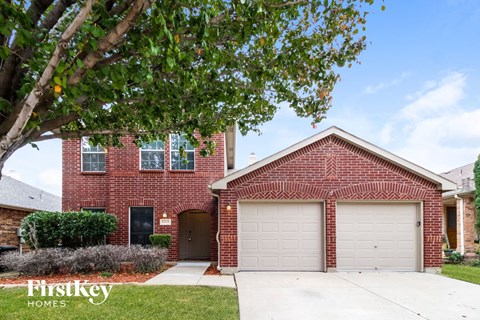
380, 190
282, 190
207, 206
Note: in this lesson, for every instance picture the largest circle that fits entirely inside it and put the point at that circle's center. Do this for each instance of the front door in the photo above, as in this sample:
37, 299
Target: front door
452, 227
194, 231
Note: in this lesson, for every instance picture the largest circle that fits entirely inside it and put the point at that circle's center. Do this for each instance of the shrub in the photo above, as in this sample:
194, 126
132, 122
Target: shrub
455, 257
47, 229
84, 260
37, 262
474, 263
160, 240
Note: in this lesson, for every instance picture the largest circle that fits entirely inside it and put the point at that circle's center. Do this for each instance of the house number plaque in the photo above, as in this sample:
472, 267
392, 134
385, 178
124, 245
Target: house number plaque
165, 222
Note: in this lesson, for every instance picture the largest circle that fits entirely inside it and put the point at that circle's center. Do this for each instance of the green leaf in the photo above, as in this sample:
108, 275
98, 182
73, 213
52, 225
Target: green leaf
4, 52
170, 62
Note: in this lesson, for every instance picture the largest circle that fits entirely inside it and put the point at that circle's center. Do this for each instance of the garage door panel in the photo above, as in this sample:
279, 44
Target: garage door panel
269, 227
290, 227
288, 236
377, 236
249, 244
290, 244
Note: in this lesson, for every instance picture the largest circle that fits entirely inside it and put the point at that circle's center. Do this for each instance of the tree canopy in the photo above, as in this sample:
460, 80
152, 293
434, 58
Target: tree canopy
108, 68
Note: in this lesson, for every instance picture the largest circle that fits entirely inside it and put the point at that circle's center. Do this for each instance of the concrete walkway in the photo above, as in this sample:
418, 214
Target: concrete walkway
369, 296
192, 274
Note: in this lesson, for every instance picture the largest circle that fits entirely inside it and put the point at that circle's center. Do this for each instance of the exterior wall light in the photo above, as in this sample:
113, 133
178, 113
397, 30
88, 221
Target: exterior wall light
229, 207
165, 214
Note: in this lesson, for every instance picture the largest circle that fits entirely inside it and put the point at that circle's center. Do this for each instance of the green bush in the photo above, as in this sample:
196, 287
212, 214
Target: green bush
160, 240
45, 229
455, 257
474, 263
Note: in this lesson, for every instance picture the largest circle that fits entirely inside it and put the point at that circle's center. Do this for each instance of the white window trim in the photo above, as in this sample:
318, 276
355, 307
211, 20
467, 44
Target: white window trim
171, 150
151, 150
96, 152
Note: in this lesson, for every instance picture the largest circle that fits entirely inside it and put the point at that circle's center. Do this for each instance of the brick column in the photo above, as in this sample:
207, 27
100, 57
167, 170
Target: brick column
468, 225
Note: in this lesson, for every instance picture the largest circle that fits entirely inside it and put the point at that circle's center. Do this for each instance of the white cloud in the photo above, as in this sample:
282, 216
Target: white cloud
442, 143
50, 180
440, 98
383, 85
386, 133
434, 130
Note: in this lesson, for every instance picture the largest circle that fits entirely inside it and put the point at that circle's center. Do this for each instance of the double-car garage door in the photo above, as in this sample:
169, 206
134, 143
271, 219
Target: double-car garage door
289, 236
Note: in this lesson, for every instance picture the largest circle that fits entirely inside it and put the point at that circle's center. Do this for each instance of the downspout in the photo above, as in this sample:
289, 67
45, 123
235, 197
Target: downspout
462, 235
217, 237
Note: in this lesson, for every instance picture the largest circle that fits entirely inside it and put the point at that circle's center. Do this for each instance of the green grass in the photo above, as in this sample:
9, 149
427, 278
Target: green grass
129, 302
462, 272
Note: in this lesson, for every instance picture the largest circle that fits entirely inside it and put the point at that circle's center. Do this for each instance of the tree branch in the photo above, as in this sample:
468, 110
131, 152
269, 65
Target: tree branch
287, 4
32, 99
35, 11
79, 134
110, 40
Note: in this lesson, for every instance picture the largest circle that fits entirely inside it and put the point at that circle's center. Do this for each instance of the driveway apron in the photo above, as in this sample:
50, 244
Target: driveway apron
374, 295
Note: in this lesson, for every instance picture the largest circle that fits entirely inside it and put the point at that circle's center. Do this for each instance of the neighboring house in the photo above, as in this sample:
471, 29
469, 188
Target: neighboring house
459, 212
18, 199
330, 202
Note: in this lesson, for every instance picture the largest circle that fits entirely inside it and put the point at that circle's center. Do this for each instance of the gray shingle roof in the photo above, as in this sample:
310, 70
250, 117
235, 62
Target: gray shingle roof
463, 176
14, 193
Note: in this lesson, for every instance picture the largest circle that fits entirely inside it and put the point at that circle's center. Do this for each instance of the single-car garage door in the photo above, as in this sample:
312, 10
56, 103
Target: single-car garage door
381, 236
276, 236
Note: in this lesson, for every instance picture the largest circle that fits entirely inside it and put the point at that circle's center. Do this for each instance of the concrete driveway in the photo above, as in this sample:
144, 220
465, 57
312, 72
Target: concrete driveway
348, 295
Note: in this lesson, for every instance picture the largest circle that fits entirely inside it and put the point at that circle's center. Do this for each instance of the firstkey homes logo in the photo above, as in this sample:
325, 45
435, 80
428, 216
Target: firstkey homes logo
95, 294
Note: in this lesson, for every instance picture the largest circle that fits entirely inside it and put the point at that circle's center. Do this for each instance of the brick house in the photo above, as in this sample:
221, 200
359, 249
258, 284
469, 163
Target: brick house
17, 200
330, 202
459, 216
151, 190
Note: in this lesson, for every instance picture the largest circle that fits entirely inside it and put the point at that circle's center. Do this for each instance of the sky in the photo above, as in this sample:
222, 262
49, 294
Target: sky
416, 93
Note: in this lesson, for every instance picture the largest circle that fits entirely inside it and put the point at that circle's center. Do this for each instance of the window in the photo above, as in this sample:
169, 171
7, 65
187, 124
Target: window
94, 209
93, 158
181, 160
152, 156
141, 225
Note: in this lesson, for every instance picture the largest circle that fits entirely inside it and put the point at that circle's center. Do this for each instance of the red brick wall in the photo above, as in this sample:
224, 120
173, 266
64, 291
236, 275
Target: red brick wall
332, 169
124, 185
468, 224
9, 222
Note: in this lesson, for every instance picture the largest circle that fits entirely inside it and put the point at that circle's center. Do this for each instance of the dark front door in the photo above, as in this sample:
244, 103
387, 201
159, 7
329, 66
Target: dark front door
141, 225
452, 227
194, 232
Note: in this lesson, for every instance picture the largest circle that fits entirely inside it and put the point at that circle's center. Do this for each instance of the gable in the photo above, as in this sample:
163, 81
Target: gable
332, 155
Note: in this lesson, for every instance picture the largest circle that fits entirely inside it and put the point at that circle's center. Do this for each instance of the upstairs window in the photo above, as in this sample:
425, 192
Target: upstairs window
152, 156
93, 158
182, 153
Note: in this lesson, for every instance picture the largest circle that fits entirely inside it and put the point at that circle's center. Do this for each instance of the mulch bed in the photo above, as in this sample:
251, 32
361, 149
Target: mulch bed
91, 278
212, 271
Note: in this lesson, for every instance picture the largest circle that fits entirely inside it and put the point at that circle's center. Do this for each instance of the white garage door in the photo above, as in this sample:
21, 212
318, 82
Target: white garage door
377, 237
280, 236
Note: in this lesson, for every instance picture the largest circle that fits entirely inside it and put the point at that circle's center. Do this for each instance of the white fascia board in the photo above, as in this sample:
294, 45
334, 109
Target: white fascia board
442, 183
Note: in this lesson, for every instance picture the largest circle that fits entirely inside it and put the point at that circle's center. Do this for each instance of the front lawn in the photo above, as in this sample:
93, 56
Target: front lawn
462, 272
128, 302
